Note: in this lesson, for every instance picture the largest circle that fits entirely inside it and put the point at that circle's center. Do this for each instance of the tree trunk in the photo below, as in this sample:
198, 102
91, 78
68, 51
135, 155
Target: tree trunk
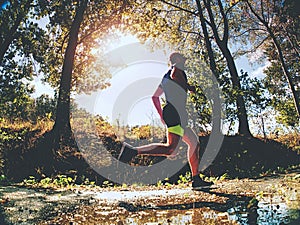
216, 107
62, 126
241, 108
281, 58
10, 35
286, 72
243, 128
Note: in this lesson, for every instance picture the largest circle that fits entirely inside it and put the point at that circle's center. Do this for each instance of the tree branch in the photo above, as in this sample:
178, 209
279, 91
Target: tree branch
248, 31
178, 7
225, 21
212, 23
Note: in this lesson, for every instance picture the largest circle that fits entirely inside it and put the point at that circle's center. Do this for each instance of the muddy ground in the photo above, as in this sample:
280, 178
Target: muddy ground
268, 200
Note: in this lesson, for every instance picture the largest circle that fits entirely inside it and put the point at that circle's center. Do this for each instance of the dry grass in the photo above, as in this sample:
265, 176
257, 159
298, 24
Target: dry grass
291, 140
43, 125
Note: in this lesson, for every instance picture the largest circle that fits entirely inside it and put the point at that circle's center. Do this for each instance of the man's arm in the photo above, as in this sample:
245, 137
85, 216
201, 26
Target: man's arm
156, 101
181, 79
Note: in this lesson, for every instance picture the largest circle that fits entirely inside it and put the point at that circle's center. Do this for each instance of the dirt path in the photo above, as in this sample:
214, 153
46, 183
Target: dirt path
271, 200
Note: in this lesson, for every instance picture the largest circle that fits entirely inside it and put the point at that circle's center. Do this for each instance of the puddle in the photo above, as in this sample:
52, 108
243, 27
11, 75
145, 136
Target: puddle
271, 210
266, 214
150, 207
268, 211
113, 196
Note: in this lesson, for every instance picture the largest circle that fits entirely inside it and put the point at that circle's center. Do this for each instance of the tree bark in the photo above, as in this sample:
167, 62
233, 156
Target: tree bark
243, 128
62, 125
216, 107
240, 102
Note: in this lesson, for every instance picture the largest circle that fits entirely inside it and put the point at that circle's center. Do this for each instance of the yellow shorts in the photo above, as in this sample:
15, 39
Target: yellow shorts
176, 130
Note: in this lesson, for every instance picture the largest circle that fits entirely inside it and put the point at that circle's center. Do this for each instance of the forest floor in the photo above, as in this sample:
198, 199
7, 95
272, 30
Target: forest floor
266, 200
258, 196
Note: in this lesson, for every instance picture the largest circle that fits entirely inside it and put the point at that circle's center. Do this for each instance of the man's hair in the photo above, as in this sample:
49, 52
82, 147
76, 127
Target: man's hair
175, 55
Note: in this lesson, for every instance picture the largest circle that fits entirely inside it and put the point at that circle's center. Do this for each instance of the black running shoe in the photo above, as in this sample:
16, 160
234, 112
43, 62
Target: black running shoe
198, 183
127, 153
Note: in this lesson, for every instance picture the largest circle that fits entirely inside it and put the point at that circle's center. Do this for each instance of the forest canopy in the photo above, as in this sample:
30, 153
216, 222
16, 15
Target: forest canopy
219, 33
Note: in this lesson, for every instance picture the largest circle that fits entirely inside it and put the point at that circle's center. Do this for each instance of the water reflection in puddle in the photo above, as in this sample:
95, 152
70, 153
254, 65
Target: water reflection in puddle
267, 212
270, 211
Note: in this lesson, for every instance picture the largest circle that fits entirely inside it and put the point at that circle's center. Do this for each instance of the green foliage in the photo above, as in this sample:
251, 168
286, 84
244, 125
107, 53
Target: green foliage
90, 67
26, 108
63, 181
274, 31
23, 45
165, 183
185, 179
3, 179
44, 107
30, 181
254, 93
107, 184
202, 107
281, 98
60, 181
14, 104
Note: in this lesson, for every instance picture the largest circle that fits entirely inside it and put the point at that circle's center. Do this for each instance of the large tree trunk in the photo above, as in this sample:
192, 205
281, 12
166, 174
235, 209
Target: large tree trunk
243, 128
62, 126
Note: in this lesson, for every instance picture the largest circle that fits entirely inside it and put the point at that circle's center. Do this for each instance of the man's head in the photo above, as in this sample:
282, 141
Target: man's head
177, 59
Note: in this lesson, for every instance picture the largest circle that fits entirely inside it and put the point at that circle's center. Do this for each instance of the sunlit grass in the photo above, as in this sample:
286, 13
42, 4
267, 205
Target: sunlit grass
44, 124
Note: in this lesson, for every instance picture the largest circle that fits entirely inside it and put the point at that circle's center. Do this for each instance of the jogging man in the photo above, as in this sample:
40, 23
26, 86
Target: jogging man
174, 86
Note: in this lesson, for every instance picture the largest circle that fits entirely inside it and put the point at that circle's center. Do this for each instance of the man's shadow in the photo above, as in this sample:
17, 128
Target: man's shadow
237, 203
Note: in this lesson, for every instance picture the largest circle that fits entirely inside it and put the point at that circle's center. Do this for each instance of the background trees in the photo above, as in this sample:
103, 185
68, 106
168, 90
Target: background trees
204, 30
73, 29
57, 40
22, 43
271, 26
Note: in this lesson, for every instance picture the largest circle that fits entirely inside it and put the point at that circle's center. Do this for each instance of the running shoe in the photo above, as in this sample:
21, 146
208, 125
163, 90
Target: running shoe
127, 153
198, 183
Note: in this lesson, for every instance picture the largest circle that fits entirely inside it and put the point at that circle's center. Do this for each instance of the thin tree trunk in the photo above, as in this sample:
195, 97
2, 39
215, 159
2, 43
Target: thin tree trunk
216, 107
263, 127
62, 122
10, 35
286, 71
281, 59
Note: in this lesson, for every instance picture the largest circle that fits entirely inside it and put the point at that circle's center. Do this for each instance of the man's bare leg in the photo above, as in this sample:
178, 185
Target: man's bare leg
161, 149
192, 140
